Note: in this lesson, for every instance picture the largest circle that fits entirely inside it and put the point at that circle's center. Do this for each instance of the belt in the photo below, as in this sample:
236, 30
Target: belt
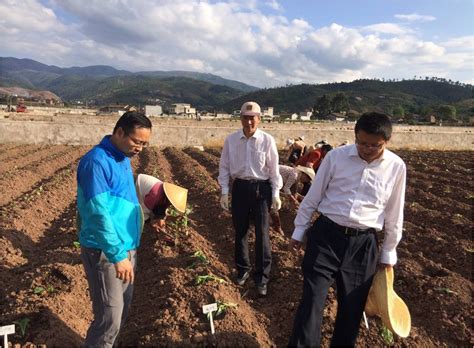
347, 231
251, 181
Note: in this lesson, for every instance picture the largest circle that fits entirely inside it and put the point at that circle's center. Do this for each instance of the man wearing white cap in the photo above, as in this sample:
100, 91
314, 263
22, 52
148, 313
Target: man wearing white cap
250, 158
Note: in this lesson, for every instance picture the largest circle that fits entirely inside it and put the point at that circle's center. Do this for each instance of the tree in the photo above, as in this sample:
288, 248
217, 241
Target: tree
447, 112
340, 102
323, 106
398, 111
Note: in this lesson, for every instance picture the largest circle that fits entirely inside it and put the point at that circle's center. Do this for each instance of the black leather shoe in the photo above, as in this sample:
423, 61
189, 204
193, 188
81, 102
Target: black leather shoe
241, 280
262, 289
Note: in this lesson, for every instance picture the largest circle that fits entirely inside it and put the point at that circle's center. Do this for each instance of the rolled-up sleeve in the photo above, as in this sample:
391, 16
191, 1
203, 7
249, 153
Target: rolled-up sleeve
272, 162
393, 223
224, 169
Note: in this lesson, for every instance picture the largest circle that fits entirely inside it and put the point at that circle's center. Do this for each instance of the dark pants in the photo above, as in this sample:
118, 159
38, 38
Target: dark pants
110, 297
252, 199
352, 262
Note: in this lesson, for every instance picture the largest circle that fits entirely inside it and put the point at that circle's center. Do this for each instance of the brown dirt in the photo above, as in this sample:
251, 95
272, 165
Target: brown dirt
36, 250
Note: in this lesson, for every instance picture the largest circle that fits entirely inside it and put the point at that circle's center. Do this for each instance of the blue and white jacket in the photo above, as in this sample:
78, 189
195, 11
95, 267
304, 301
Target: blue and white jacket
110, 215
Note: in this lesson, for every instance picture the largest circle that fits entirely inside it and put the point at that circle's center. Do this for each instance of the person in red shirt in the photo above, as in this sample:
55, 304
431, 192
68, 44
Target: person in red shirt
313, 157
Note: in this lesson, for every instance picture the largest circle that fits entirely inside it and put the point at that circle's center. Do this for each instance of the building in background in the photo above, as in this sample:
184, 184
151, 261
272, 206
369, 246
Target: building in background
153, 110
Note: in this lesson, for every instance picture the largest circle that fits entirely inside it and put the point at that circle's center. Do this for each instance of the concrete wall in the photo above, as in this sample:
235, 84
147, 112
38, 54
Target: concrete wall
213, 133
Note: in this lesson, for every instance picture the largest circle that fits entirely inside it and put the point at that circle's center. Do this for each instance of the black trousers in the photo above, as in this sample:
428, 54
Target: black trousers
252, 199
352, 262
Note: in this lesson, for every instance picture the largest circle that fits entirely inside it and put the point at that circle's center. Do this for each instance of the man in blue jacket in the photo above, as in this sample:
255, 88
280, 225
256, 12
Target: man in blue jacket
111, 221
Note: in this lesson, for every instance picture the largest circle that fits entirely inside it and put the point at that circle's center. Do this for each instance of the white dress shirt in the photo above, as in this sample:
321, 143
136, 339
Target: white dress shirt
357, 194
255, 158
289, 176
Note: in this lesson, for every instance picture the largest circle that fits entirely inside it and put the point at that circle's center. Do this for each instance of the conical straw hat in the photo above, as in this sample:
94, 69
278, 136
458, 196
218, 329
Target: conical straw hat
308, 171
384, 302
177, 196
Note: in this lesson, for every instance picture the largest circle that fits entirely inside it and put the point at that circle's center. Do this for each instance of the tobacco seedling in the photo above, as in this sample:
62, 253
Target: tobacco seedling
38, 290
76, 244
201, 259
180, 221
446, 291
387, 335
22, 324
202, 279
223, 307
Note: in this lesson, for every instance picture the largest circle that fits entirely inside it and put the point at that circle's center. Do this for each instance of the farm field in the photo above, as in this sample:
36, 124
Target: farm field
43, 283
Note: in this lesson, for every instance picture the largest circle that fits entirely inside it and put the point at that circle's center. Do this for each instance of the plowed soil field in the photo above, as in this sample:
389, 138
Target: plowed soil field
45, 292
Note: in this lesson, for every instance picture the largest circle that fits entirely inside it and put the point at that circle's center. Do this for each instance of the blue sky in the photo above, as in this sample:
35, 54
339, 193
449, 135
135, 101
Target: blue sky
264, 43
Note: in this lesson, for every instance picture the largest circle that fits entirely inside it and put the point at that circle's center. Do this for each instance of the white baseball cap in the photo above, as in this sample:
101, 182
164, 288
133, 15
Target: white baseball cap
250, 109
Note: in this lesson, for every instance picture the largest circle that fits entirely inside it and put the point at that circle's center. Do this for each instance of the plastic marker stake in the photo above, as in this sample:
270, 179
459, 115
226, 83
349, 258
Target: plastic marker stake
209, 308
365, 321
8, 330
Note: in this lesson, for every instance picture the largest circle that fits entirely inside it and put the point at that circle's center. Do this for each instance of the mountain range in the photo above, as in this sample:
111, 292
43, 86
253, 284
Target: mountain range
103, 84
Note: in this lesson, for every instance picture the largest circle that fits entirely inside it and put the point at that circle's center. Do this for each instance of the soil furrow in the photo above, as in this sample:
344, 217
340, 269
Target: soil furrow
43, 229
33, 157
210, 162
16, 151
19, 182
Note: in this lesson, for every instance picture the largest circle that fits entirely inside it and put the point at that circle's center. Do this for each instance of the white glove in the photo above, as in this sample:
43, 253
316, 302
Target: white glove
225, 202
276, 203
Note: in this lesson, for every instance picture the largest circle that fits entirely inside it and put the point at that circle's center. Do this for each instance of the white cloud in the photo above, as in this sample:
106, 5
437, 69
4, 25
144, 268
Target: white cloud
414, 17
274, 4
233, 39
387, 28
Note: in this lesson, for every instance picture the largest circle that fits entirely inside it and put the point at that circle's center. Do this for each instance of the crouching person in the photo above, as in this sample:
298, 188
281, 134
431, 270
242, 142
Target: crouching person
156, 196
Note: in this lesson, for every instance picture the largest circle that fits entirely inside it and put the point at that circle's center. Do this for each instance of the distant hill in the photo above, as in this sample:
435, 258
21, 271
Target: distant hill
363, 95
28, 93
137, 89
32, 74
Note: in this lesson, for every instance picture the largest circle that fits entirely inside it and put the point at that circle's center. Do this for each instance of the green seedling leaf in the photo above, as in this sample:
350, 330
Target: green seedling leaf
50, 289
446, 291
223, 307
22, 324
76, 244
387, 335
39, 290
201, 259
202, 279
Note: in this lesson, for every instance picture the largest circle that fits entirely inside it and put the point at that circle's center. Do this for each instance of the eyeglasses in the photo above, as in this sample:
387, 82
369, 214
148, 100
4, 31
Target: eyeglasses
370, 146
138, 143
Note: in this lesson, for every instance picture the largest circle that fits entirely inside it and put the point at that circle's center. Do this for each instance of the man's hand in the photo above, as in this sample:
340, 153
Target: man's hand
225, 202
276, 203
124, 271
294, 245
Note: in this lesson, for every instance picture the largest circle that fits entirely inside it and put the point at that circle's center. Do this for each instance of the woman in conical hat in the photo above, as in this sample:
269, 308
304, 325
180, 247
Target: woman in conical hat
156, 196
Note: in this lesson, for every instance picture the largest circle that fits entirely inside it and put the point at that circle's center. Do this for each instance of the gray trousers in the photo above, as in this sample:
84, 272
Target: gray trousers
110, 297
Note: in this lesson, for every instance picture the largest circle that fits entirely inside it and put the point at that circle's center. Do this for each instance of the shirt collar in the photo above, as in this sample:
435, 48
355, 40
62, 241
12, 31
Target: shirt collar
354, 153
110, 148
255, 135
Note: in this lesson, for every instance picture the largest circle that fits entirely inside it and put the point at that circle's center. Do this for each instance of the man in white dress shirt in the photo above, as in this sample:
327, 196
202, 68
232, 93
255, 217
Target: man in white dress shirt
359, 189
250, 158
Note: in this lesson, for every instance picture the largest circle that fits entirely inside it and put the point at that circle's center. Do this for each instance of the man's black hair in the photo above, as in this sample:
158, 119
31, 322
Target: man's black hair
132, 120
326, 148
375, 123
